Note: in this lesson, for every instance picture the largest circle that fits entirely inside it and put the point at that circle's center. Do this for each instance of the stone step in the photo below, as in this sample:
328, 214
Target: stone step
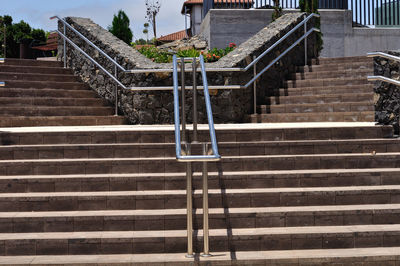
318, 108
29, 77
330, 98
170, 165
219, 218
364, 116
4, 68
173, 241
167, 135
146, 150
45, 85
313, 257
26, 121
31, 63
56, 111
333, 74
175, 199
326, 82
353, 89
342, 60
336, 66
48, 101
173, 181
46, 93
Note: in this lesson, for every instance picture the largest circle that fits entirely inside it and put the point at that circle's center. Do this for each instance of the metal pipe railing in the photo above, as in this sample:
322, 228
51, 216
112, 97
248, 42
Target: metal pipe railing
382, 78
2, 60
91, 59
2, 84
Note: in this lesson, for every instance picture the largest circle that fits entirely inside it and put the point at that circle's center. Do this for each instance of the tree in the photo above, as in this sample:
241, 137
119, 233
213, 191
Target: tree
120, 27
152, 9
146, 30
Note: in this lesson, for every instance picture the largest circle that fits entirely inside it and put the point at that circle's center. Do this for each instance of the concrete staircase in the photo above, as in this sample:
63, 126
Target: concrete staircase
328, 90
294, 196
43, 93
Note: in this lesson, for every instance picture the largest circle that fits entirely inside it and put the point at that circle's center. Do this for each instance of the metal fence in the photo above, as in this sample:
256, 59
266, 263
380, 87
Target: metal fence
371, 13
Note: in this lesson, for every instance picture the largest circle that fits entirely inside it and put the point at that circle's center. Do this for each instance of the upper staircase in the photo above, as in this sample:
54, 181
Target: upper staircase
43, 93
334, 90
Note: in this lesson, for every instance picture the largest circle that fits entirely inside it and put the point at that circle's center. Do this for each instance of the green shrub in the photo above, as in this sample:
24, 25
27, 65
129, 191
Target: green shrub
188, 53
156, 55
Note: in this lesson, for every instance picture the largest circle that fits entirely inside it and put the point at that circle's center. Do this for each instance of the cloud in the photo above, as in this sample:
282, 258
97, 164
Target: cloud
37, 13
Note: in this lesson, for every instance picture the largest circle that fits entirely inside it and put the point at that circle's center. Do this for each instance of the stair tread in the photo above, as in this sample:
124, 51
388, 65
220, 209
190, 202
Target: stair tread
231, 211
359, 189
213, 232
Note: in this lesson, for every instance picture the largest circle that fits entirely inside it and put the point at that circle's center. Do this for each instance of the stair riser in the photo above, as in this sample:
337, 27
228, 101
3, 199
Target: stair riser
242, 200
249, 180
179, 244
70, 111
336, 67
331, 74
323, 91
314, 117
45, 85
321, 99
172, 166
37, 77
325, 82
341, 60
161, 136
61, 121
320, 108
36, 70
178, 222
52, 102
17, 93
31, 63
236, 149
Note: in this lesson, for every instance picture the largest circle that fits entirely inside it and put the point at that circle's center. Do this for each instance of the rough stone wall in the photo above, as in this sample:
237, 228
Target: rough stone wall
387, 96
142, 107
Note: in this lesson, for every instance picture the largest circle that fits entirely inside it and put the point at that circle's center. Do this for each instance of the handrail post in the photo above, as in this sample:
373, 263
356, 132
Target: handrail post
189, 207
195, 116
255, 87
116, 89
205, 206
305, 43
65, 48
183, 99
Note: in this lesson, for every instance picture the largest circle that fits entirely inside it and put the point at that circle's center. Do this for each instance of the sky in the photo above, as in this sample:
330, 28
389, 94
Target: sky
38, 12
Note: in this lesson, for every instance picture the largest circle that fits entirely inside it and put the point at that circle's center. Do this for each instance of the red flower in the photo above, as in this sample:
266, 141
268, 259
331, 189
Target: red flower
232, 45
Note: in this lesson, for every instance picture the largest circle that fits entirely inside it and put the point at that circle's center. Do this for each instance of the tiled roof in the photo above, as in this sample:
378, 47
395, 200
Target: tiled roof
173, 36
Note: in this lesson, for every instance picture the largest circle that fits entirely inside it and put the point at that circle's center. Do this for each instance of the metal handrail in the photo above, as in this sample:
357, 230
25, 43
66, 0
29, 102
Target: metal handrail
90, 43
2, 84
382, 78
178, 148
384, 55
2, 60
91, 59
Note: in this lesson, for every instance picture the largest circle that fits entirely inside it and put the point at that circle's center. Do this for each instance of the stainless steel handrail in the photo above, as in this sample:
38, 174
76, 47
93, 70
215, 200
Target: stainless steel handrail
90, 43
91, 59
2, 84
384, 55
382, 78
2, 60
178, 148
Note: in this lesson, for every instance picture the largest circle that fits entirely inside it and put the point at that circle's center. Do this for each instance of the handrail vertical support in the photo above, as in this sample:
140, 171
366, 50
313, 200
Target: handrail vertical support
189, 207
183, 100
255, 87
195, 116
116, 89
205, 206
305, 45
65, 48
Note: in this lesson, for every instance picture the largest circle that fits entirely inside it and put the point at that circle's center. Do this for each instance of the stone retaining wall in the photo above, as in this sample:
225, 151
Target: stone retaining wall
387, 96
150, 107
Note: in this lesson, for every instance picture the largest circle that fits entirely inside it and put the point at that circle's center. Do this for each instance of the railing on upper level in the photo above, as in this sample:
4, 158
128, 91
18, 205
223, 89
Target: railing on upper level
382, 78
373, 13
